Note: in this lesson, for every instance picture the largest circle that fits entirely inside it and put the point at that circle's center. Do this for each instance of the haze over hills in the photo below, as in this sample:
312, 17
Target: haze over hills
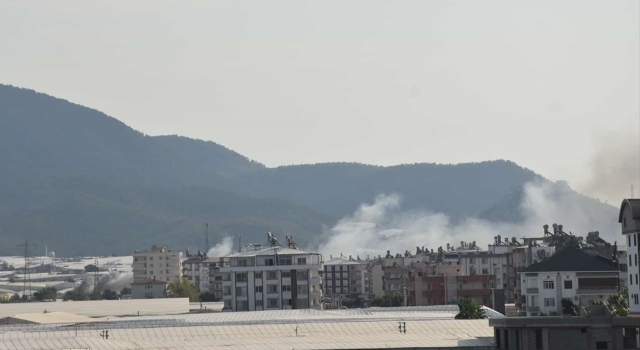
82, 182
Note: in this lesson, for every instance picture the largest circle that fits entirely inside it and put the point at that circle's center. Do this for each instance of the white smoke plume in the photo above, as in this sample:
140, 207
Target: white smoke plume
221, 249
115, 281
614, 167
375, 228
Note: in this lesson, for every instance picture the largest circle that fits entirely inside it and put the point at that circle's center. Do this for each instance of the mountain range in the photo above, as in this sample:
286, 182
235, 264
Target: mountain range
82, 183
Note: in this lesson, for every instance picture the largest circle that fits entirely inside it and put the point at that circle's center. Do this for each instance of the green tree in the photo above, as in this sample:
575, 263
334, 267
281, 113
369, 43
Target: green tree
208, 296
91, 268
125, 291
468, 310
568, 308
109, 295
618, 304
388, 300
183, 289
47, 293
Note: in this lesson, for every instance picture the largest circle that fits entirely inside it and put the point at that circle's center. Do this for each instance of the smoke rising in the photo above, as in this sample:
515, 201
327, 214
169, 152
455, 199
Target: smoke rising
614, 166
382, 225
221, 249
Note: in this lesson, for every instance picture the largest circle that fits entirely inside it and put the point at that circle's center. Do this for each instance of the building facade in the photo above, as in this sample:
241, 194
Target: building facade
204, 273
272, 278
347, 278
629, 219
159, 262
569, 274
150, 288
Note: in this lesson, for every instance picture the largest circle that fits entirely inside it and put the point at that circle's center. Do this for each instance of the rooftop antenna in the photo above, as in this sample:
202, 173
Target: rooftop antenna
239, 244
206, 236
26, 279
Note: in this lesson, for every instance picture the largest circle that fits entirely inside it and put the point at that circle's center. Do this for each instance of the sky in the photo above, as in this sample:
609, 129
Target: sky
546, 84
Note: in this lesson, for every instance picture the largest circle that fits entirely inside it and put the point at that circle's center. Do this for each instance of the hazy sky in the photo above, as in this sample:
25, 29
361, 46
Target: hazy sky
282, 82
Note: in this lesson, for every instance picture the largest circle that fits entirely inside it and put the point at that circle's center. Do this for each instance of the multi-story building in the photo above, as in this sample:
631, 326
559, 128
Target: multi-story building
149, 288
569, 274
347, 278
159, 262
204, 273
629, 219
272, 278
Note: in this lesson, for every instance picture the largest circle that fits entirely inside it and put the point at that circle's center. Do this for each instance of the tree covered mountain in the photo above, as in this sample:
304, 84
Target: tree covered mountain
82, 182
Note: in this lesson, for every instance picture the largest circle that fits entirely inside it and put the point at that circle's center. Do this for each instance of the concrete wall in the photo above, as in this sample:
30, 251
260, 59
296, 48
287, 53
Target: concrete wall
102, 308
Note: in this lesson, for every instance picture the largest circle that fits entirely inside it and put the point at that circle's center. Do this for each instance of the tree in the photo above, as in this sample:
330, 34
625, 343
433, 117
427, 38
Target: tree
618, 304
109, 295
388, 300
47, 293
125, 291
91, 268
468, 310
568, 308
208, 296
183, 289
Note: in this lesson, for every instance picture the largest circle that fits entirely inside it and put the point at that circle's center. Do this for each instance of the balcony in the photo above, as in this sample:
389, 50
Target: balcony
316, 280
533, 309
474, 292
597, 290
532, 290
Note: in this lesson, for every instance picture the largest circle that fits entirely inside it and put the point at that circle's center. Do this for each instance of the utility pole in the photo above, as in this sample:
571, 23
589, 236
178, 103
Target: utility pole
206, 237
26, 279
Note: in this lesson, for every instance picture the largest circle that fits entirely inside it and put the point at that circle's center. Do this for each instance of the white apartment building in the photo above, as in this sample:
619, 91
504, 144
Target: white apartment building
159, 263
149, 288
569, 274
272, 278
629, 219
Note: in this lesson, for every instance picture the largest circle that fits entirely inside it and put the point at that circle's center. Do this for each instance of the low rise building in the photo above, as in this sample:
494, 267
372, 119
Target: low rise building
159, 262
569, 274
272, 278
150, 288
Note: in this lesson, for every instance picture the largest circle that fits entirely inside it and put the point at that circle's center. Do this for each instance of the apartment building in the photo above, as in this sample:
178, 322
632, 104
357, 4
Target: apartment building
149, 288
568, 274
629, 219
439, 284
159, 263
347, 278
272, 278
204, 273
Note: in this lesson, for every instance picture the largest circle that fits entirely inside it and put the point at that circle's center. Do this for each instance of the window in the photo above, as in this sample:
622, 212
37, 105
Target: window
629, 239
286, 288
241, 291
302, 261
272, 288
471, 260
533, 301
549, 302
302, 275
272, 302
284, 260
259, 303
634, 255
258, 289
227, 291
630, 263
241, 277
304, 289
568, 284
636, 278
485, 261
286, 302
630, 279
242, 262
602, 345
286, 274
548, 284
429, 287
151, 258
151, 265
268, 262
485, 271
538, 339
258, 275
271, 275
345, 290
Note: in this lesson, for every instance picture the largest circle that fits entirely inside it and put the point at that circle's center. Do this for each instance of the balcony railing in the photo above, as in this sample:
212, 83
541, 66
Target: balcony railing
533, 309
598, 290
532, 290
